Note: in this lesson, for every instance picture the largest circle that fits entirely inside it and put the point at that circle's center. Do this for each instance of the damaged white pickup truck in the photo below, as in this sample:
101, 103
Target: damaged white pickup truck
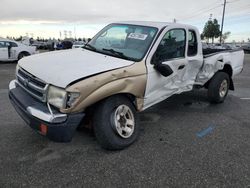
126, 68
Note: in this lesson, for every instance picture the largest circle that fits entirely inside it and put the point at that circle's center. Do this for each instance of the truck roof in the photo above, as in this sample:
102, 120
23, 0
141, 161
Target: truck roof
158, 25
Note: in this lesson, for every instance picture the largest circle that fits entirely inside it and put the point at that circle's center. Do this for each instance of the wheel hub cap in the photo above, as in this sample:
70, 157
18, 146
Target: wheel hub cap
223, 88
124, 122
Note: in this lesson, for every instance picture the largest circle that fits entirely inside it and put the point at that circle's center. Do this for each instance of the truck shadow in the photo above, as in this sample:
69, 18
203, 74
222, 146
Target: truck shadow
169, 110
8, 62
192, 101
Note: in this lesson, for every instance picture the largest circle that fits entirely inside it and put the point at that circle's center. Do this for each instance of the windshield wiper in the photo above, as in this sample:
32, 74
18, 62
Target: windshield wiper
120, 54
89, 47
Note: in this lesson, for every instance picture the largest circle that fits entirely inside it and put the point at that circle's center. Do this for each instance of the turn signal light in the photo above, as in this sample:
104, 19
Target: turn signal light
43, 129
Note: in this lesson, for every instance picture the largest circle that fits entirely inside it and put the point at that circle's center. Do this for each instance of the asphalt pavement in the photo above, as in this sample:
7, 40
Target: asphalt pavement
185, 142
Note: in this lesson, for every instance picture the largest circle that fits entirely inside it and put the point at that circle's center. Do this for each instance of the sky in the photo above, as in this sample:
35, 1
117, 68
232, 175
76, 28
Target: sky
84, 18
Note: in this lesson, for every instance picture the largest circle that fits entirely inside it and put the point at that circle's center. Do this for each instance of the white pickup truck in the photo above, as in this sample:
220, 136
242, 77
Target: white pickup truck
126, 68
11, 50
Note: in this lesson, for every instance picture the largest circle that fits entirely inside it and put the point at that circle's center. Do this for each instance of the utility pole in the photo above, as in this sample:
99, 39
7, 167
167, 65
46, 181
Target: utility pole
222, 22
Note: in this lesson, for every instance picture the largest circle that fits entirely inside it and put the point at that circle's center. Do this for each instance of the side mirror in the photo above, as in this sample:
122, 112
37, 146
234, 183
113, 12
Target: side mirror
163, 69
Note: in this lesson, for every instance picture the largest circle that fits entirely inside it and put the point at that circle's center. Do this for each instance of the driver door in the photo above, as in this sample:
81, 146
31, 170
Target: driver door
170, 56
3, 52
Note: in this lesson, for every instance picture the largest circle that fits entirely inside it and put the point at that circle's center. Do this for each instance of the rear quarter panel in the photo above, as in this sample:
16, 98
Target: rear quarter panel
215, 62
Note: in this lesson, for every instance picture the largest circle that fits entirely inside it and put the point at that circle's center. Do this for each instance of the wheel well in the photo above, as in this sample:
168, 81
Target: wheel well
130, 96
24, 52
227, 69
89, 111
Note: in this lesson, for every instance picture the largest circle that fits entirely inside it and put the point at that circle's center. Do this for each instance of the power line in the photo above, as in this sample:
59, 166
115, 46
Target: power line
233, 1
206, 9
237, 19
202, 11
239, 8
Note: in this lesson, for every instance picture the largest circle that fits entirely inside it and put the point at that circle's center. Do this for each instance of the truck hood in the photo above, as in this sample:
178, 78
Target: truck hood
60, 68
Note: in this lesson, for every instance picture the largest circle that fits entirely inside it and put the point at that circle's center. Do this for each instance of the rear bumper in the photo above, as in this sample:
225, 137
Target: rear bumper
57, 126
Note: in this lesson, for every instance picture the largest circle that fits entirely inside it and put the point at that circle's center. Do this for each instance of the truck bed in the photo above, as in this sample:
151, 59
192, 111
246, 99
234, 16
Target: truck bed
216, 59
209, 51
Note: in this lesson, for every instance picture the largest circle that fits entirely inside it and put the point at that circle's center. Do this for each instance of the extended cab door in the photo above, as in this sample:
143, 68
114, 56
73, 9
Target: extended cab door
3, 51
173, 64
166, 65
194, 57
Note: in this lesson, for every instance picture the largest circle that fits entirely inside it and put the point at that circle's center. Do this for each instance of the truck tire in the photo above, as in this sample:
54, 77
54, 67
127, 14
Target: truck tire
115, 123
218, 87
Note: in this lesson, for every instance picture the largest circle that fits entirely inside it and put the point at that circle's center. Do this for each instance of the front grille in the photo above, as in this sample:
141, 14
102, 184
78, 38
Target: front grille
34, 86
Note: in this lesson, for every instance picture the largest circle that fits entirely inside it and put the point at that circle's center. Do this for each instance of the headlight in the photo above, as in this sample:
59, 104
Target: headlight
57, 97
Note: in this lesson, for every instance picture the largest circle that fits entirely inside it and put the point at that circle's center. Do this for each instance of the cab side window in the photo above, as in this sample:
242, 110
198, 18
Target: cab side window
192, 43
2, 44
172, 46
12, 44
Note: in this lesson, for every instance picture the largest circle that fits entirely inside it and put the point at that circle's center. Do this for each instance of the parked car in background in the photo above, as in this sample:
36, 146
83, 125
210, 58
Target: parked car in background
11, 50
229, 46
218, 46
78, 44
246, 48
204, 45
66, 44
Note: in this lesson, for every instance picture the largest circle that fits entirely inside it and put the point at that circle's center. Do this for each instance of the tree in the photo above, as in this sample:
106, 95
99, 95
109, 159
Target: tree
211, 30
225, 36
19, 38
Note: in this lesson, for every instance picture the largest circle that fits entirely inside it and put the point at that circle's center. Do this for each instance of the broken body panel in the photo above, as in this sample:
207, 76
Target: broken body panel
216, 62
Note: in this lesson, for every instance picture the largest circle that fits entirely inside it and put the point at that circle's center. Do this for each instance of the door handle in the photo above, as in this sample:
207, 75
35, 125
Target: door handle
181, 67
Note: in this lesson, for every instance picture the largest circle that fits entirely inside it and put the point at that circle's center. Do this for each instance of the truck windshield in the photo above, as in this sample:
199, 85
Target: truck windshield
123, 41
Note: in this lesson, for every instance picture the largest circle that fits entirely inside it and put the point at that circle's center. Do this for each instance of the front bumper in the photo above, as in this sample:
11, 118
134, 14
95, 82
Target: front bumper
41, 117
